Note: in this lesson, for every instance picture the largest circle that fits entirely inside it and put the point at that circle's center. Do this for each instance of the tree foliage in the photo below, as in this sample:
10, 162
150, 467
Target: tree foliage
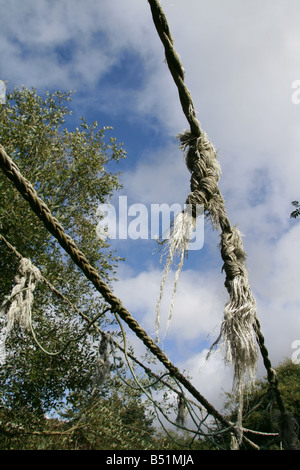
70, 172
296, 212
101, 424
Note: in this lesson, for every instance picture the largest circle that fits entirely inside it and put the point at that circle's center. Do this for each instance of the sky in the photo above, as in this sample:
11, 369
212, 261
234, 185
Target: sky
242, 65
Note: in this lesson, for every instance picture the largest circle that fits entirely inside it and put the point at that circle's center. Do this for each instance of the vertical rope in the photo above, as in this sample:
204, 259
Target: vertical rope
240, 330
237, 334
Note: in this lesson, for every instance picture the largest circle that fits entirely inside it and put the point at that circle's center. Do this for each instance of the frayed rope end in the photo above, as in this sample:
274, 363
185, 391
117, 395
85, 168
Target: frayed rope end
177, 245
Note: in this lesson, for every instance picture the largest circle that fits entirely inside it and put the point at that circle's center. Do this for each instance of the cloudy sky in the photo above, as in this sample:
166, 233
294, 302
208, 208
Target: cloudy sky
242, 63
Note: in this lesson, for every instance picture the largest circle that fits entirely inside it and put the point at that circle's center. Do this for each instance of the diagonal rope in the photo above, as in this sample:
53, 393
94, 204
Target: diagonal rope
158, 378
27, 191
91, 324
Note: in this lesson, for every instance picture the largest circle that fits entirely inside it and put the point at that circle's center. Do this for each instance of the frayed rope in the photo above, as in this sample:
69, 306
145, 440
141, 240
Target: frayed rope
237, 335
102, 363
176, 246
18, 304
182, 411
289, 432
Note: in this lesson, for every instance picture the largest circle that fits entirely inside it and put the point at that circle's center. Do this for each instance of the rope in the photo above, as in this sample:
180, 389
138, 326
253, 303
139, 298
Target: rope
240, 329
102, 362
27, 191
240, 311
239, 315
288, 426
18, 306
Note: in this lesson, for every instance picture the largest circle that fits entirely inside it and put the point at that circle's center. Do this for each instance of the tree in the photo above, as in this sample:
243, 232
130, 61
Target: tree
117, 422
70, 171
295, 212
261, 412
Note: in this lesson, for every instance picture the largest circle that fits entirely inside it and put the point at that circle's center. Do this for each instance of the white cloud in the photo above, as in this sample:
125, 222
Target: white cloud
96, 33
158, 178
275, 280
198, 309
212, 377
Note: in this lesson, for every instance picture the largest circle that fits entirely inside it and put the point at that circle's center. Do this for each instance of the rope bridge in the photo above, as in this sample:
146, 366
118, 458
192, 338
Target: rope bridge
240, 330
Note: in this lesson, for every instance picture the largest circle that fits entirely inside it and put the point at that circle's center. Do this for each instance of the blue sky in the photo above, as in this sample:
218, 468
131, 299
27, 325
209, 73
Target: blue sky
241, 59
